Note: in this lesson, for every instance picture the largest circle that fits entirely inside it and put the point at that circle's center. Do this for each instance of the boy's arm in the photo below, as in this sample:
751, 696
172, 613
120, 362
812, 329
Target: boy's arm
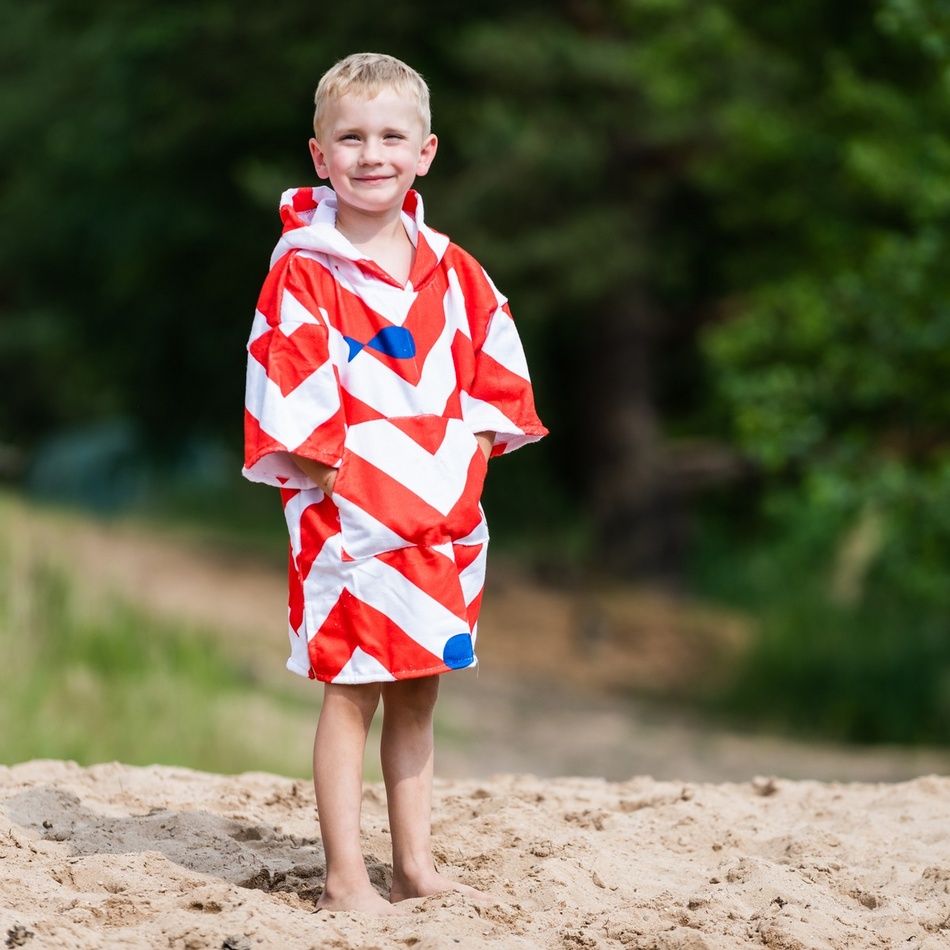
486, 440
322, 475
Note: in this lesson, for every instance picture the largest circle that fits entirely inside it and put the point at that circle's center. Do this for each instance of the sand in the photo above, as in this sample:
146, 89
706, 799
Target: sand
118, 857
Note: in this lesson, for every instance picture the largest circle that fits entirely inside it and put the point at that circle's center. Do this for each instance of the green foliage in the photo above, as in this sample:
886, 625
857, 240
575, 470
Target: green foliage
832, 359
830, 355
822, 665
112, 683
868, 675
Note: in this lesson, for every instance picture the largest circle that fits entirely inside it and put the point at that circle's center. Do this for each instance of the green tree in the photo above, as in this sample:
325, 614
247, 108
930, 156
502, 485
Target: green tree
834, 345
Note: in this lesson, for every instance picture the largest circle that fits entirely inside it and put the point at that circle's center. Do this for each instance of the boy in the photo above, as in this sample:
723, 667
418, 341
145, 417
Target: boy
384, 369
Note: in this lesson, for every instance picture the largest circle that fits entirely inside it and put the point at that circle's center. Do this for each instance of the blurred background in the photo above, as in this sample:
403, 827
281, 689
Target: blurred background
720, 224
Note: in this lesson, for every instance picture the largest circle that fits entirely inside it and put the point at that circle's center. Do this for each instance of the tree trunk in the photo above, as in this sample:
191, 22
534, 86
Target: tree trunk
636, 528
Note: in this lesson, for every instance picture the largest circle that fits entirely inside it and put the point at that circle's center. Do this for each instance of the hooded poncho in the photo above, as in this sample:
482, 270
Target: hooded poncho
389, 384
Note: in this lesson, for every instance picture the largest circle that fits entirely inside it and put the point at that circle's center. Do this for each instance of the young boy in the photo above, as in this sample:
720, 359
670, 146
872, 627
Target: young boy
384, 369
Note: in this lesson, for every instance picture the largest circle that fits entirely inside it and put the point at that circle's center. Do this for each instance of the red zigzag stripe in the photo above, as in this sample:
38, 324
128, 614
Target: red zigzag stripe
403, 511
353, 623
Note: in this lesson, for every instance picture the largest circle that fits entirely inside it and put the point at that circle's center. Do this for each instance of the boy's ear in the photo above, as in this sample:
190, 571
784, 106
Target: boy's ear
429, 147
319, 159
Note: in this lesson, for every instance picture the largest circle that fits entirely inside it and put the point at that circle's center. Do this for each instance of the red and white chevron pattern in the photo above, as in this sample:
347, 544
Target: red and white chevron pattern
386, 577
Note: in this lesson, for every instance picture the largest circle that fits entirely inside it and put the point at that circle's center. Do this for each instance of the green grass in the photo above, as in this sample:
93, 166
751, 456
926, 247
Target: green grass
237, 513
108, 682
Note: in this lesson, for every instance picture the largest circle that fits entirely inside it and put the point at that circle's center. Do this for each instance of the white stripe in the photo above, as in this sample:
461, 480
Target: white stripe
324, 585
299, 659
363, 668
291, 419
437, 479
453, 305
293, 313
482, 416
504, 346
473, 577
363, 535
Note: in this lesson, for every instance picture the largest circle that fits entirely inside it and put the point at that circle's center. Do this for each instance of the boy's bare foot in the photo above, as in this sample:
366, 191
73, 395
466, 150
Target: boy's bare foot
363, 901
434, 883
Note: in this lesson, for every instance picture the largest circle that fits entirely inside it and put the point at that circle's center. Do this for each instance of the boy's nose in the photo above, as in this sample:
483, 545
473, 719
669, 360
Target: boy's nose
371, 153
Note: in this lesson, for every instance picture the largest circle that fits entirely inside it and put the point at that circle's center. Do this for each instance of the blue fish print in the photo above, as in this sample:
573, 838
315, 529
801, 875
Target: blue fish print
396, 342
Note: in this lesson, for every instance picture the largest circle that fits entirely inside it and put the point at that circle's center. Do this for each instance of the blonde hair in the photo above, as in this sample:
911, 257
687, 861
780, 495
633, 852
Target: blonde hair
366, 75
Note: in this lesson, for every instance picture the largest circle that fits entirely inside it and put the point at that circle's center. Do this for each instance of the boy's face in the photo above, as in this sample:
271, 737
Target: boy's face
372, 150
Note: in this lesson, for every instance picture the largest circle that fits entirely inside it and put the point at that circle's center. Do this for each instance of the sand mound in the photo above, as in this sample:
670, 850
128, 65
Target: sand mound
119, 857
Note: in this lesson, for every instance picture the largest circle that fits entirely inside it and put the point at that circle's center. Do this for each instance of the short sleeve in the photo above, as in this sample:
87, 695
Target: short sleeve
500, 398
292, 398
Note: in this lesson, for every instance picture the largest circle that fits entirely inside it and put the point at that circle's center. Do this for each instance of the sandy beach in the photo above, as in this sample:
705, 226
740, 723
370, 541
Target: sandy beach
119, 857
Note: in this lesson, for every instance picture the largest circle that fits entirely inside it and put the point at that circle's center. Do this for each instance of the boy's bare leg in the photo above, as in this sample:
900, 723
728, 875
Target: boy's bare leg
338, 782
407, 758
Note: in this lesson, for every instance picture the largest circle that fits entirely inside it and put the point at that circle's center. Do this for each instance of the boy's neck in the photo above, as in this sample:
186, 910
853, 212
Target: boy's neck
383, 240
361, 229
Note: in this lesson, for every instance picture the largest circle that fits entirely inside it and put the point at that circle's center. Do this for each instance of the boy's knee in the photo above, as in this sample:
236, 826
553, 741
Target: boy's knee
412, 695
363, 696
